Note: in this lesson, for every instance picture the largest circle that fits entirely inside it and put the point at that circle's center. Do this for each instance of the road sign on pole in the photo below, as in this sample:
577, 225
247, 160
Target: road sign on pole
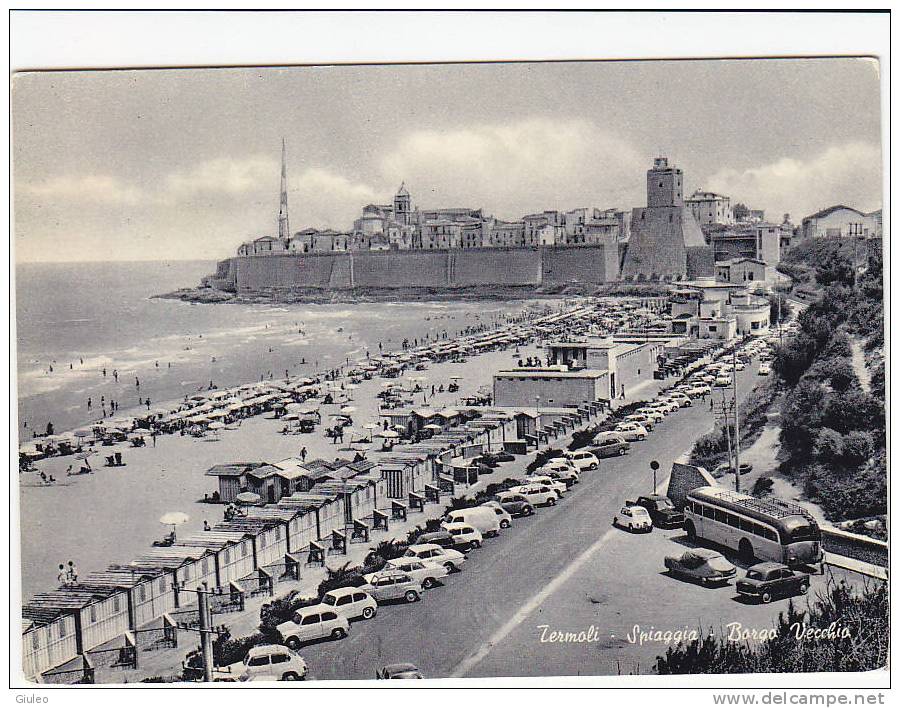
654, 465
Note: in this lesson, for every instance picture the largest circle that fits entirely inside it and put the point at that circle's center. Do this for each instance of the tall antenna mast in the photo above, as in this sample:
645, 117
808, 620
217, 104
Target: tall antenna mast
284, 226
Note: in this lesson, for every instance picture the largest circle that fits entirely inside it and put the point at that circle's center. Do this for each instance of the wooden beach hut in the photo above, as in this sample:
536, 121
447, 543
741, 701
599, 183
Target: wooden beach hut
232, 553
232, 478
100, 613
48, 639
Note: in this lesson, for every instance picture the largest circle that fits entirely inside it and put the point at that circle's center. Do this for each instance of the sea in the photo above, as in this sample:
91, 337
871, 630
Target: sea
91, 333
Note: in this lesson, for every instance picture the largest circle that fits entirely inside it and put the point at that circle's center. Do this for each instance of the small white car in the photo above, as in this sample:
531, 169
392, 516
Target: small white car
654, 414
464, 534
633, 518
665, 405
723, 380
503, 515
312, 623
450, 558
536, 494
560, 468
424, 572
640, 420
681, 398
350, 603
559, 487
764, 370
699, 389
264, 661
632, 431
583, 460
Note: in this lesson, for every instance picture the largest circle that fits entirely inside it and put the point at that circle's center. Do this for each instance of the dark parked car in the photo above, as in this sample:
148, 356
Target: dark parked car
441, 538
611, 446
515, 504
399, 671
702, 565
662, 510
765, 581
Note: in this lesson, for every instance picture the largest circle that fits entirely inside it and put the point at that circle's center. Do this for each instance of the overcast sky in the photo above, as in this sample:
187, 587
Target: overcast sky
184, 164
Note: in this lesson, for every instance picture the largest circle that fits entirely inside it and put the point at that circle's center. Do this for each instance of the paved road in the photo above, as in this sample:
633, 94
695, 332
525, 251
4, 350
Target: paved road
483, 620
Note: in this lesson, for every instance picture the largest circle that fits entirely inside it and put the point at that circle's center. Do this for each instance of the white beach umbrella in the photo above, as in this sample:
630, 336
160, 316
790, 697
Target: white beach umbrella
217, 425
387, 434
174, 518
348, 409
248, 498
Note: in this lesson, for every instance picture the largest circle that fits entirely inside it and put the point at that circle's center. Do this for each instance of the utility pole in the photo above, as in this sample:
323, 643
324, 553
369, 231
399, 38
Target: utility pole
205, 633
737, 430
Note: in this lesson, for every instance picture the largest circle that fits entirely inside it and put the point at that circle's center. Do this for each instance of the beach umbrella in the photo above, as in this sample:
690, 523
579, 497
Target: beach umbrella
432, 426
457, 378
289, 416
294, 407
352, 386
217, 425
370, 426
348, 409
387, 434
84, 455
248, 498
174, 518
28, 449
82, 433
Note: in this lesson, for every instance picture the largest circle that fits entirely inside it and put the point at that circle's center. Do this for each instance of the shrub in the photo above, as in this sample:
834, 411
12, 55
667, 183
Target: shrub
762, 487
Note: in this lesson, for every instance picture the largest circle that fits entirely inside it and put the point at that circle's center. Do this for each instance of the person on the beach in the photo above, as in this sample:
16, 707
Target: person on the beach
137, 382
148, 402
206, 526
115, 374
89, 402
50, 428
153, 436
104, 372
61, 577
72, 573
303, 454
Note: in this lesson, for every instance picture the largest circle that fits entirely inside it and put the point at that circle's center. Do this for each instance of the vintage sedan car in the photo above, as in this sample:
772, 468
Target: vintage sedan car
503, 516
583, 460
423, 571
464, 535
661, 510
632, 431
557, 486
681, 398
450, 558
350, 603
390, 584
702, 565
633, 518
610, 445
537, 494
562, 469
766, 581
311, 623
665, 405
439, 538
764, 370
639, 419
515, 504
399, 671
266, 661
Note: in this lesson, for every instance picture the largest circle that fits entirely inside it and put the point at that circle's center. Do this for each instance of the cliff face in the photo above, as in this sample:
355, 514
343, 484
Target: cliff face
514, 267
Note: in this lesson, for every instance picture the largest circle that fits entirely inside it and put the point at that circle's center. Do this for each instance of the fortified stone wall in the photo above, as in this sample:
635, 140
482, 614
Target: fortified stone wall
428, 269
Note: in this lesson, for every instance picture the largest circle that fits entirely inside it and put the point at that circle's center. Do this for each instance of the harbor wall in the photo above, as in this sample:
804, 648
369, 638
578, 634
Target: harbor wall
524, 266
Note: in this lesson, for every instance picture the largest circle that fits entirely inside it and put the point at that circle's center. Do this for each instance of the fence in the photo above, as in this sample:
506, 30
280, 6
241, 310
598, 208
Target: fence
851, 545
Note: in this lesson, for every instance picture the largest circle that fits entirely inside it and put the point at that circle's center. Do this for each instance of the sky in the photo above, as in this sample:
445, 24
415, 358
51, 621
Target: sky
184, 164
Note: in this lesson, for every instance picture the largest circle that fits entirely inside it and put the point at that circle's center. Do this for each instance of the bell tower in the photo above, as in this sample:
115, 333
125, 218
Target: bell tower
402, 205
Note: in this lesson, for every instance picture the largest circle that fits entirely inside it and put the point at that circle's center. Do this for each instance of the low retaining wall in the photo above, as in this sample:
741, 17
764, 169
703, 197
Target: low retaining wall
852, 545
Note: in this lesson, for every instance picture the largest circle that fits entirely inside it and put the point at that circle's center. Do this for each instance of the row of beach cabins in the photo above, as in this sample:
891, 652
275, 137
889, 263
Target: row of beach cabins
319, 507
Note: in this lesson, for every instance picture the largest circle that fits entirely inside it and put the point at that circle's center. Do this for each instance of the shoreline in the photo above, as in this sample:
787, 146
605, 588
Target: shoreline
208, 295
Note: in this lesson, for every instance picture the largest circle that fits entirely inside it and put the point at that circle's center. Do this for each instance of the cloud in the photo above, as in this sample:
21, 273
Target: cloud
223, 176
846, 174
320, 198
102, 189
516, 167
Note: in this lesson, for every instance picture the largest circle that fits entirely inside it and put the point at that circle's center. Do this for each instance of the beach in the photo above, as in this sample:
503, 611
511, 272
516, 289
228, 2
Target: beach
112, 515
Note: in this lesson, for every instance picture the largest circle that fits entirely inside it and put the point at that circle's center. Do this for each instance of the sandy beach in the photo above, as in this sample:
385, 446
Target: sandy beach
112, 515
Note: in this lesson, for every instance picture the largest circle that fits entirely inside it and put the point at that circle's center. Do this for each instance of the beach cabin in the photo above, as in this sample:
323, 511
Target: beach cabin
191, 567
232, 478
232, 553
326, 509
403, 474
277, 537
293, 476
100, 612
48, 639
269, 538
358, 496
148, 592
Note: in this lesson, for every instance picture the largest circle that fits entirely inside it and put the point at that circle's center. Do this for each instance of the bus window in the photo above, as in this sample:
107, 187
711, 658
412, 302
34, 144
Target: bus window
721, 516
806, 532
709, 512
732, 521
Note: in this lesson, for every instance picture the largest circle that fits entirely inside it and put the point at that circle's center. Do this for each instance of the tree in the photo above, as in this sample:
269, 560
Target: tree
779, 308
740, 211
853, 410
829, 446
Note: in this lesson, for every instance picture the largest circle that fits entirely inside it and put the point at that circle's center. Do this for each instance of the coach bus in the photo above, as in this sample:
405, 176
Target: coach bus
764, 529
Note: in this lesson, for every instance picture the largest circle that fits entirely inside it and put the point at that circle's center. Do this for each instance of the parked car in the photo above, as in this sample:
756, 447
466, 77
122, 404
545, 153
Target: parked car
638, 419
503, 516
562, 469
423, 571
764, 370
350, 603
583, 460
389, 585
701, 564
655, 415
311, 623
464, 535
569, 477
632, 431
556, 485
682, 399
439, 538
723, 380
613, 444
399, 671
267, 661
661, 510
515, 504
766, 581
633, 518
484, 520
665, 405
450, 558
537, 494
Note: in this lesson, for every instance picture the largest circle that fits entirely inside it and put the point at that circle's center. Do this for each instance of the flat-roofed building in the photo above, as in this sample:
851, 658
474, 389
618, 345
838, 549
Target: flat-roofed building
550, 387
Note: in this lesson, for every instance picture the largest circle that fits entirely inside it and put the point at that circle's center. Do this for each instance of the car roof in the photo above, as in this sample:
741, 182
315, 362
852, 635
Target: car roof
263, 649
424, 547
767, 566
399, 668
703, 553
457, 525
342, 591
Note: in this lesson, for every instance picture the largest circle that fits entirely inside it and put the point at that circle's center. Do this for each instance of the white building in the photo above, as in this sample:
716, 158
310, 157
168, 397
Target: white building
710, 208
840, 222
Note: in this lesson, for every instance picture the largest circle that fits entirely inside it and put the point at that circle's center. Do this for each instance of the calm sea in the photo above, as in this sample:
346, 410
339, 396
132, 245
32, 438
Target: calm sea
75, 320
